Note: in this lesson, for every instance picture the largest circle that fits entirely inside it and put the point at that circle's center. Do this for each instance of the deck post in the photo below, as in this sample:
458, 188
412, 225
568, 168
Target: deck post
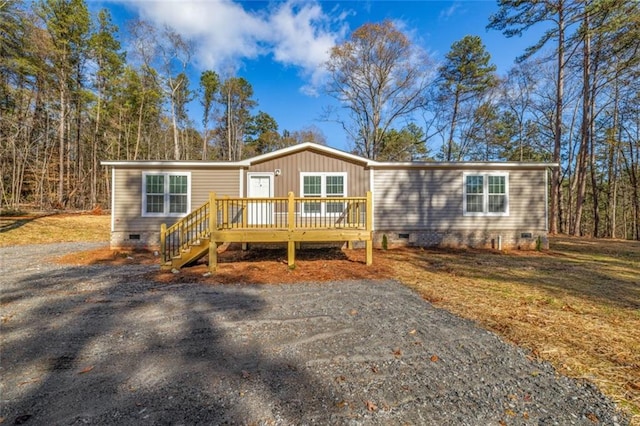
369, 241
213, 224
163, 239
291, 218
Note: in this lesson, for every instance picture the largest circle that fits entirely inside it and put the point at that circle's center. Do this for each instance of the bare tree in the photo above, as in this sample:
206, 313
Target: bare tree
173, 53
379, 76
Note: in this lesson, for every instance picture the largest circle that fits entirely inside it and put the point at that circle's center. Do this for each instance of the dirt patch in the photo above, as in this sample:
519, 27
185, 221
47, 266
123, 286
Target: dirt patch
255, 266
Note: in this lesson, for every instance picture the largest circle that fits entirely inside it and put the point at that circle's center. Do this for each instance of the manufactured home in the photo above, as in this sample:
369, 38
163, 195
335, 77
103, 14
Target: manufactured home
323, 192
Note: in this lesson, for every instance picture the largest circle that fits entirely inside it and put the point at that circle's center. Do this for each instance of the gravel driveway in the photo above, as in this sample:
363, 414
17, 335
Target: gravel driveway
101, 345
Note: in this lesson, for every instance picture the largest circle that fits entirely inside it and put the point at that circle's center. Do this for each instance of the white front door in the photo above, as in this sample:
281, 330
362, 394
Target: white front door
260, 212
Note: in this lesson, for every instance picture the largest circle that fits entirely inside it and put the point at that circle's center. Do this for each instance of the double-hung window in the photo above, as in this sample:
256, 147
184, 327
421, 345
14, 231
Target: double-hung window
166, 194
323, 185
486, 194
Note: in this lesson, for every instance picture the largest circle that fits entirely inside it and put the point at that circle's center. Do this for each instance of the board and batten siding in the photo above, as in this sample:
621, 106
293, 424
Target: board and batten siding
292, 165
127, 214
432, 199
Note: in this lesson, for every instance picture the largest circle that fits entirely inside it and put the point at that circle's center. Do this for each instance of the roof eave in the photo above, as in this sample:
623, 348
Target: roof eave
179, 164
462, 165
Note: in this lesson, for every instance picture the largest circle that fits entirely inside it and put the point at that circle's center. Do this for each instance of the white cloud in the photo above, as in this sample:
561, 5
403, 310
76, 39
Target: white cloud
447, 13
295, 33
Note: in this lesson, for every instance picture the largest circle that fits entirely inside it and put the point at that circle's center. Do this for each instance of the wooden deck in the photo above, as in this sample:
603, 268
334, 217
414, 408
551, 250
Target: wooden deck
288, 220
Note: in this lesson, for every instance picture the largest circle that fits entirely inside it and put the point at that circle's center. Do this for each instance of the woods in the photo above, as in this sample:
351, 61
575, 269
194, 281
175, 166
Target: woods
71, 96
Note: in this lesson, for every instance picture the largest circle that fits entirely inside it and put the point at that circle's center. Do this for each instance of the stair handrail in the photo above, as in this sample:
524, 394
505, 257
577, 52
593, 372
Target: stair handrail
186, 231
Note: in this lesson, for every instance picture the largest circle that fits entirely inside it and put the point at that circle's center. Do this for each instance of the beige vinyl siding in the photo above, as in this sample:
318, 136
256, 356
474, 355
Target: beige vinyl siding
415, 199
127, 215
309, 161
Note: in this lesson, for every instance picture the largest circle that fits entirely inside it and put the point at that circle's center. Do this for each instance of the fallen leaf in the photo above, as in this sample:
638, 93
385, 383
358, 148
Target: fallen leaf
525, 415
374, 369
86, 369
413, 331
593, 418
435, 358
397, 352
342, 403
502, 423
527, 397
371, 406
340, 379
353, 312
509, 412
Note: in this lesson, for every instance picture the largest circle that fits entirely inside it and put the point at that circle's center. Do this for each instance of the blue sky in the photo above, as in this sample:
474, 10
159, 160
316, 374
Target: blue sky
280, 46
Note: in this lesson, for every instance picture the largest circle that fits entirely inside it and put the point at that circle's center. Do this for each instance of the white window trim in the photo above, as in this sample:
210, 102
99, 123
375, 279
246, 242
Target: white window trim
323, 190
166, 193
485, 193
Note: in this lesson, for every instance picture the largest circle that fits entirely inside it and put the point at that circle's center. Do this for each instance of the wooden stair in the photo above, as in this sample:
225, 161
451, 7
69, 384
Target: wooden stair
192, 253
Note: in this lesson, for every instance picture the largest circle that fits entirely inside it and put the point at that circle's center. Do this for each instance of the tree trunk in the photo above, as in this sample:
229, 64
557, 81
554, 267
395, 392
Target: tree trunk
452, 129
61, 132
585, 132
557, 140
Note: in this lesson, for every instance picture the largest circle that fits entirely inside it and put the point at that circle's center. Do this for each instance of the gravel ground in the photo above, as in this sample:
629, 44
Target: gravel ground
101, 345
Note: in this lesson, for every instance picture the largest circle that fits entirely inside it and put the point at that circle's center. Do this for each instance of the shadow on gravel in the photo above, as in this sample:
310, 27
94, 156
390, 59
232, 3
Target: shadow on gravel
81, 345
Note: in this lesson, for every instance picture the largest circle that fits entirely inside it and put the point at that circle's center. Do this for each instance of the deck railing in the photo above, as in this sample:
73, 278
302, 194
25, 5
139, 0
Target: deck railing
186, 231
286, 219
274, 213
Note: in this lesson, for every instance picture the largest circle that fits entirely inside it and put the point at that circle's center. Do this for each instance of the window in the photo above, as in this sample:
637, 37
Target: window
486, 194
323, 185
165, 194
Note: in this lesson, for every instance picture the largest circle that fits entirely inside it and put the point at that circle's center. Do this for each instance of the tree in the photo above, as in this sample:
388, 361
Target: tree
408, 144
209, 86
262, 134
464, 78
105, 51
379, 76
308, 134
516, 100
67, 23
236, 95
171, 52
513, 18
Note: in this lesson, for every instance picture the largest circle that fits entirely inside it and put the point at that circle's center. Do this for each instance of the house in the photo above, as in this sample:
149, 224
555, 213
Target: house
474, 204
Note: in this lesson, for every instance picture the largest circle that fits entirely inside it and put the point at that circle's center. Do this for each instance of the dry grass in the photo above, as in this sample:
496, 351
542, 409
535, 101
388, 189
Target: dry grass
53, 228
576, 305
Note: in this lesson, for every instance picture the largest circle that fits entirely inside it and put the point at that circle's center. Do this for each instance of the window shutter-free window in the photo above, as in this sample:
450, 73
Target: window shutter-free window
497, 202
312, 187
486, 194
155, 194
177, 194
335, 188
475, 194
323, 185
165, 193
